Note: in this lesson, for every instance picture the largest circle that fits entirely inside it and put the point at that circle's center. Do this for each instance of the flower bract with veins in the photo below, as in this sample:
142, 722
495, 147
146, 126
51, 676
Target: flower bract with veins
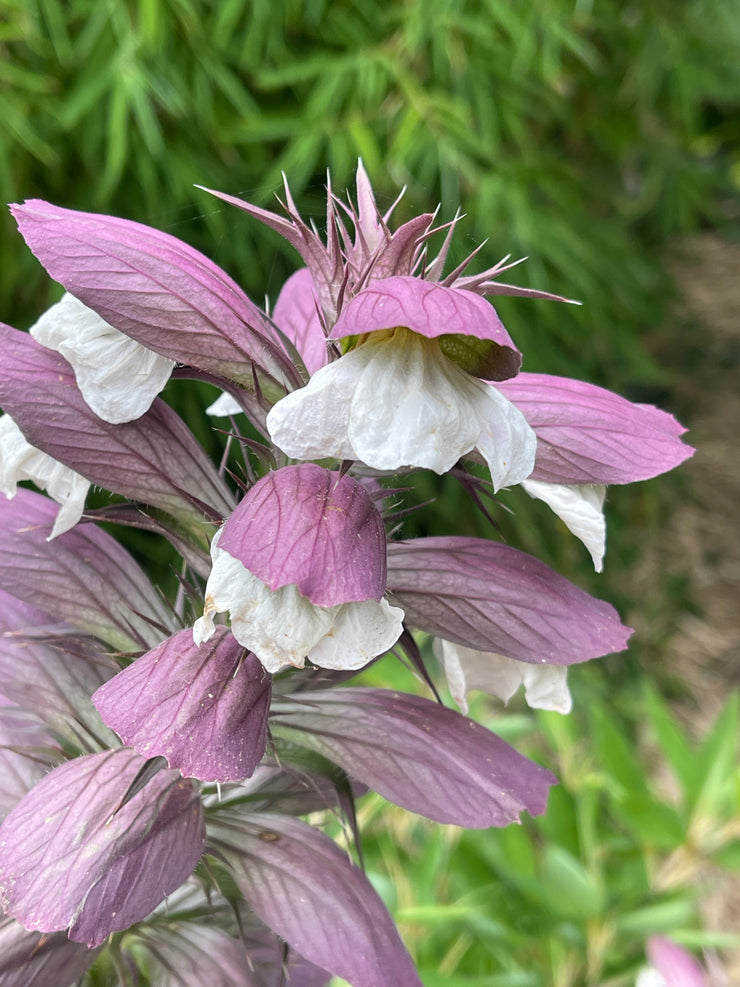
301, 567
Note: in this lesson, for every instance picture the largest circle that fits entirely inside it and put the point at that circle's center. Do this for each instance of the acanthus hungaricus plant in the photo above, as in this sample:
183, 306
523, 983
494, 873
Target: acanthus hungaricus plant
157, 755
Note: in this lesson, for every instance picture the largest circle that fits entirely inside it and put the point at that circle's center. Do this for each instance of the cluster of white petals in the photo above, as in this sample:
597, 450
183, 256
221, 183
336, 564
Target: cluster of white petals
19, 460
283, 628
581, 508
545, 686
118, 377
396, 400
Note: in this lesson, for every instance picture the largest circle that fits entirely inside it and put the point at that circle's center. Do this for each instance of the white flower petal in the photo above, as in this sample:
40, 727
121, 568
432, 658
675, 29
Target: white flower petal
411, 405
506, 441
545, 686
19, 460
118, 377
224, 406
581, 508
360, 632
279, 627
397, 400
283, 627
311, 423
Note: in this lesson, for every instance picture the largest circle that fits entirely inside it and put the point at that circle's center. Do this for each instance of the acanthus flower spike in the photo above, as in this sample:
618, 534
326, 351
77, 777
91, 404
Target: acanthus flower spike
373, 356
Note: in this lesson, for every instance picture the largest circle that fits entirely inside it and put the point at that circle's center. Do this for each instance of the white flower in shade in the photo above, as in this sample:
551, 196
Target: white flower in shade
581, 508
301, 567
224, 406
118, 377
410, 390
19, 460
545, 686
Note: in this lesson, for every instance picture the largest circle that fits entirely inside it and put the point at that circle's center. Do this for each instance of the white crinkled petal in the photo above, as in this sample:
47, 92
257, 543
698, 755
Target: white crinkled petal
19, 460
545, 686
506, 441
449, 654
311, 423
69, 490
224, 406
280, 626
581, 508
412, 406
118, 377
360, 632
397, 400
226, 571
283, 628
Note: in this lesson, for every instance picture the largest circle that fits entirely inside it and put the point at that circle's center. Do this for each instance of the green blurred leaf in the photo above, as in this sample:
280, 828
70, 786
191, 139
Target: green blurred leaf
571, 891
662, 917
673, 742
718, 762
655, 824
616, 756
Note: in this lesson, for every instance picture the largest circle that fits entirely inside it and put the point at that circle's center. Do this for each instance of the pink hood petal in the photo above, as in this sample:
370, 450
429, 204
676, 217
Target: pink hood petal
431, 310
307, 526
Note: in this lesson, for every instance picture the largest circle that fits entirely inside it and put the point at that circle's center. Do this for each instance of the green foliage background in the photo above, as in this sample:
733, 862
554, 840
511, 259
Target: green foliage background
585, 134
